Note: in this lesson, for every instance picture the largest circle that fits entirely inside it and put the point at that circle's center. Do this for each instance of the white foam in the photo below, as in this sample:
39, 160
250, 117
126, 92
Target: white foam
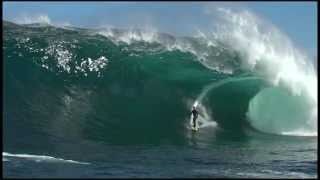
275, 174
40, 19
260, 41
64, 57
40, 158
300, 133
152, 36
130, 36
29, 19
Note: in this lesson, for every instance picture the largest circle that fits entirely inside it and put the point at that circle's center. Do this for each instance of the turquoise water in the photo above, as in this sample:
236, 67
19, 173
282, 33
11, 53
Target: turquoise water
78, 103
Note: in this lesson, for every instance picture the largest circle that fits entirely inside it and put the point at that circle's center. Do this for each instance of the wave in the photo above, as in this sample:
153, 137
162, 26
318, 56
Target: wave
143, 80
38, 158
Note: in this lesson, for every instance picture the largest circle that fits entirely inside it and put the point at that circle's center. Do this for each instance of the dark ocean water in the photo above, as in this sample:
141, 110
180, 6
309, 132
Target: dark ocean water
80, 103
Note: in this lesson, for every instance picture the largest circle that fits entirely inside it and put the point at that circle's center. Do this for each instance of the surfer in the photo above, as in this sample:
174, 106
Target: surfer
195, 115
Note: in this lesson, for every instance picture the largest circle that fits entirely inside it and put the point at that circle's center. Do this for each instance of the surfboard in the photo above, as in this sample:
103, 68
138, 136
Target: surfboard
194, 129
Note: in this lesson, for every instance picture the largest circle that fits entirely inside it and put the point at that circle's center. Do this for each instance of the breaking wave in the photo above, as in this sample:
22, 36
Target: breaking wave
104, 83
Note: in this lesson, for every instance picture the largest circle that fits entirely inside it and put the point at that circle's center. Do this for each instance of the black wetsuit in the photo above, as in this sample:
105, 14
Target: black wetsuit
195, 116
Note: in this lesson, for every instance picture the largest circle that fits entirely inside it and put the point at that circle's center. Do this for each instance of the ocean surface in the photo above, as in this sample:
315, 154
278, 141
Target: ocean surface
110, 102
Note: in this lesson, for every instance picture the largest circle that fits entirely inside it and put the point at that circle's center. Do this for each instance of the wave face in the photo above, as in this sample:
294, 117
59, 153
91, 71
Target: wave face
106, 84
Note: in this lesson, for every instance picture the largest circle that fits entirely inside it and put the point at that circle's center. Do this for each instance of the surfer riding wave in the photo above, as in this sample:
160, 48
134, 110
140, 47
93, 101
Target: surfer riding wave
195, 116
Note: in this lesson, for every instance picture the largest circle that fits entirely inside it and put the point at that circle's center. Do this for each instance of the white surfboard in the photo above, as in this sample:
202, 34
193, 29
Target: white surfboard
194, 128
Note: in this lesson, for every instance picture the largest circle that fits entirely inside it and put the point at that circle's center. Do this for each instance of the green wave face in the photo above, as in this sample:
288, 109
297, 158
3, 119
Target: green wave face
79, 84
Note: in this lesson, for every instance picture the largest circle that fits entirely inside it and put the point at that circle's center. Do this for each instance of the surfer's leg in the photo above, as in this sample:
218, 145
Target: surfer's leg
194, 122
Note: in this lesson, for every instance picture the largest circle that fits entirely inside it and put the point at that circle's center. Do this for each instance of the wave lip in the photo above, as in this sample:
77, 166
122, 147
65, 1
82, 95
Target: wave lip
39, 158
